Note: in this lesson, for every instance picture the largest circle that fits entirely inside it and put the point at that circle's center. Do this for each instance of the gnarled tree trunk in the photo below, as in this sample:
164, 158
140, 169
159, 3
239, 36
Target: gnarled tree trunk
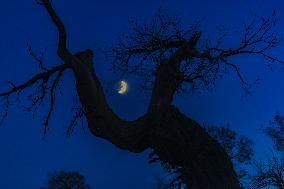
173, 137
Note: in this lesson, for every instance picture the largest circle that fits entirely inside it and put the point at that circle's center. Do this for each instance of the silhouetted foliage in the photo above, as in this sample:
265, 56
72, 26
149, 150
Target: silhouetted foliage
276, 131
65, 180
162, 183
269, 173
238, 147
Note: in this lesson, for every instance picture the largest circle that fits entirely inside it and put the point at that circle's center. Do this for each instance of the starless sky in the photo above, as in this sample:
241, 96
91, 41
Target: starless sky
26, 159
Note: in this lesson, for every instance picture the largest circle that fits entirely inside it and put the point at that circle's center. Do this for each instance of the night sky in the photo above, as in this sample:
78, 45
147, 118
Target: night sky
26, 158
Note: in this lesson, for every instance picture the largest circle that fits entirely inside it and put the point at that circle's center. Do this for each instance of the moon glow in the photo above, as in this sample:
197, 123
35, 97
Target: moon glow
123, 87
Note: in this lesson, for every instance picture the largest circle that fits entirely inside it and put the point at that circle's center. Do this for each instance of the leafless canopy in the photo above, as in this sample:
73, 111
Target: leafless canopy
47, 81
270, 173
200, 64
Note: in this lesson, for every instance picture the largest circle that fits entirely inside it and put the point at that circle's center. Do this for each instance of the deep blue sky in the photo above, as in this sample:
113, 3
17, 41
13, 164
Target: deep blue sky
26, 159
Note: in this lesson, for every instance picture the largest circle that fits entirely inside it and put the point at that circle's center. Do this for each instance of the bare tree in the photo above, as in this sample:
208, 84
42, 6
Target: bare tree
175, 57
276, 131
65, 180
269, 173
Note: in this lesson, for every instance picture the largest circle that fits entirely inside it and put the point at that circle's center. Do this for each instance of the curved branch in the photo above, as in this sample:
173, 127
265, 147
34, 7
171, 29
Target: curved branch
177, 140
102, 121
62, 50
236, 69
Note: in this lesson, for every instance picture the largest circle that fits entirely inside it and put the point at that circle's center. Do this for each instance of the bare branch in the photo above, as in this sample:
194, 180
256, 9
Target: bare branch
236, 69
62, 50
146, 48
52, 100
38, 96
79, 113
44, 76
149, 44
270, 173
38, 59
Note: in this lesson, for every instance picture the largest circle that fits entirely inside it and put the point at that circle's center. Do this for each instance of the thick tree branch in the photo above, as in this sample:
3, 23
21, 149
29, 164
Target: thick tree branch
101, 120
62, 49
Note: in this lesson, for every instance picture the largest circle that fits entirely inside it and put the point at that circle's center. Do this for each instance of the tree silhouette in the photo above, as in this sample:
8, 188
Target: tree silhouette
270, 173
276, 132
65, 180
238, 147
168, 57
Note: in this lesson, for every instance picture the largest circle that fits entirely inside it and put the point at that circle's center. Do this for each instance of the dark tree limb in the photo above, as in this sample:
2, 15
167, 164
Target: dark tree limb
77, 116
43, 76
143, 50
52, 100
38, 59
40, 93
62, 50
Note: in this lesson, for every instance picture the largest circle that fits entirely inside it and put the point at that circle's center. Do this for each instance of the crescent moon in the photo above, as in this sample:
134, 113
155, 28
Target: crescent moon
123, 87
